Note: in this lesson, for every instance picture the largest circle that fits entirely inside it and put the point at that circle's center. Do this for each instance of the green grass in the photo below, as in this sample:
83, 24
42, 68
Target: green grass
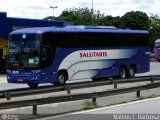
89, 105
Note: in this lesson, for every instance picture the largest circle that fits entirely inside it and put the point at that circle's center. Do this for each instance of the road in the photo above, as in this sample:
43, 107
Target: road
154, 70
59, 108
138, 110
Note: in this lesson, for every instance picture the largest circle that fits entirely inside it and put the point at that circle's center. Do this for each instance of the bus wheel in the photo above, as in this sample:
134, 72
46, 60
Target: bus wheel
131, 72
62, 78
123, 72
32, 85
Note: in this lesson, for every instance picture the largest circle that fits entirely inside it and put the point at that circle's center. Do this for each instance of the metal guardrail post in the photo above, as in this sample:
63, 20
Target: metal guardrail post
7, 95
152, 80
115, 83
138, 93
35, 109
68, 88
94, 100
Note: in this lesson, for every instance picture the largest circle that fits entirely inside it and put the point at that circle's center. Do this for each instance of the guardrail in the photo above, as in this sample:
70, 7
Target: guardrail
74, 97
48, 89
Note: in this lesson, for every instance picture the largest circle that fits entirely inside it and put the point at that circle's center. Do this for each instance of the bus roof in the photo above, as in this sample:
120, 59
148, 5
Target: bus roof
104, 29
158, 40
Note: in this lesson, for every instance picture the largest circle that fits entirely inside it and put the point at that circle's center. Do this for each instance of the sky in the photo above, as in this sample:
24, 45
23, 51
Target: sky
39, 9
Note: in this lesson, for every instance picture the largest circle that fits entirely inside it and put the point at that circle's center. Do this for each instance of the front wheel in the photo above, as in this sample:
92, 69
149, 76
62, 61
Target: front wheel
123, 72
62, 78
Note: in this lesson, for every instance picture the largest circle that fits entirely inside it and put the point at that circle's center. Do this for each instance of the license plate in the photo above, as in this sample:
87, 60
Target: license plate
19, 80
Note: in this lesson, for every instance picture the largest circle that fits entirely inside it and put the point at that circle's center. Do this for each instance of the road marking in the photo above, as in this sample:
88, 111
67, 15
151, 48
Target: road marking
96, 109
114, 106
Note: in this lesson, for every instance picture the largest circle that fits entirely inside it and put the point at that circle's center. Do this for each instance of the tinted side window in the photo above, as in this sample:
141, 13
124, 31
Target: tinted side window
98, 39
47, 49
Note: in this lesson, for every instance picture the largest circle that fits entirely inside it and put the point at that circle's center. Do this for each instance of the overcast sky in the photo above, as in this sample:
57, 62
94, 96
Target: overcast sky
38, 9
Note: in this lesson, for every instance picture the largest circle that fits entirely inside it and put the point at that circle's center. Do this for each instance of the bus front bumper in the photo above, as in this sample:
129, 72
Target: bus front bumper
19, 77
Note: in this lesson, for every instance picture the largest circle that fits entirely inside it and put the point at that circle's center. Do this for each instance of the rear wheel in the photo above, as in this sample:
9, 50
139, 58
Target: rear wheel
123, 72
131, 72
62, 78
32, 85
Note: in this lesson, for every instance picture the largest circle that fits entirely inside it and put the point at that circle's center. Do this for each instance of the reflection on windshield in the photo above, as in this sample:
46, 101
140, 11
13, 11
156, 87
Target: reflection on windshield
14, 53
24, 53
30, 54
157, 44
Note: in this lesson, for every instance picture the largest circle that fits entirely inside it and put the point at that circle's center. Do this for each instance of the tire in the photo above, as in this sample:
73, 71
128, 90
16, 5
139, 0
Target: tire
32, 85
61, 78
131, 72
123, 72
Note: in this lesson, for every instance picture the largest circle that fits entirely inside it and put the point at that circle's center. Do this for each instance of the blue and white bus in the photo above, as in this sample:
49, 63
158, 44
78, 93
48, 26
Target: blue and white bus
55, 55
157, 50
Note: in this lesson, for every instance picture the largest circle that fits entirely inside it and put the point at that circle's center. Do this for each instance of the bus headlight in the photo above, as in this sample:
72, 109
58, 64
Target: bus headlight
8, 78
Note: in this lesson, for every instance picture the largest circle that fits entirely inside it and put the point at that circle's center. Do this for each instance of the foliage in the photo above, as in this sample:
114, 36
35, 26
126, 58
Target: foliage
154, 28
81, 16
132, 20
112, 21
135, 20
89, 105
49, 18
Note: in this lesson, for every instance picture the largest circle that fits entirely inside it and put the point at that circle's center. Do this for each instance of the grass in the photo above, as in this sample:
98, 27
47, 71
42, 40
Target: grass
89, 105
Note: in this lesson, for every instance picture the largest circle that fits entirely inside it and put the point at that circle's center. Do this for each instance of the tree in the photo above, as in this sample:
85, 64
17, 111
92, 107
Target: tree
154, 28
49, 18
112, 21
135, 20
80, 16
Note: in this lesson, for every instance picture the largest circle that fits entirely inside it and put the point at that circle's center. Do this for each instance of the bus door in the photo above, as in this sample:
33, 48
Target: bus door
47, 74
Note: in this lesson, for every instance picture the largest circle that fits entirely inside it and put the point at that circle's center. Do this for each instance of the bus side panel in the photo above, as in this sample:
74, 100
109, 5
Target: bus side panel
89, 63
88, 69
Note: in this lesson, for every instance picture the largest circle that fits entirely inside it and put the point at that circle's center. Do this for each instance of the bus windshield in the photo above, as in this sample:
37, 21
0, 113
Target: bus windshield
23, 53
157, 44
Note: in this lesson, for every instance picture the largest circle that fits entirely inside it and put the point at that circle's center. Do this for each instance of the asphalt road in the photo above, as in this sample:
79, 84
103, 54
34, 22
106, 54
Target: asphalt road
139, 110
58, 108
154, 70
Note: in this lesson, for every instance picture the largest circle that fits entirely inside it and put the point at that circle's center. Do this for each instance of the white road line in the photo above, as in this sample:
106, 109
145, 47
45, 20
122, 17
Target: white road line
118, 105
107, 107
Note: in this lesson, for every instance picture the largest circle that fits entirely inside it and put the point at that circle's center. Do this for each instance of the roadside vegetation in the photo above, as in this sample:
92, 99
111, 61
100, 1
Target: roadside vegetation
135, 20
87, 105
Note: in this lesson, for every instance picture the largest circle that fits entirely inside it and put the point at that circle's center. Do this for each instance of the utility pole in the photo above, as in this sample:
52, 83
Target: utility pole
53, 9
92, 13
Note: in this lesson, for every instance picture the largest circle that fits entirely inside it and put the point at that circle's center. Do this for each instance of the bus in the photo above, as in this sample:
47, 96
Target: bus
3, 51
157, 50
55, 55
